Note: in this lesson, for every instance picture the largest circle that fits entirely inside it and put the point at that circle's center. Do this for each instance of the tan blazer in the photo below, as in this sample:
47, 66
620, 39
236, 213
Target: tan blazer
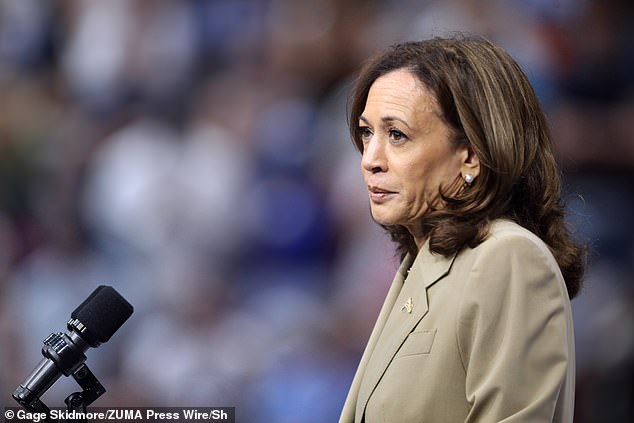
485, 336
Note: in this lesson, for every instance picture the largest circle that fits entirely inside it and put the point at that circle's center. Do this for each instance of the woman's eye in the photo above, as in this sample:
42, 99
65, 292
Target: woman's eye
365, 133
397, 136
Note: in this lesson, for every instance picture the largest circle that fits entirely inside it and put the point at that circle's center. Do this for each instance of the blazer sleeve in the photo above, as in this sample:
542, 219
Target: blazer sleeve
514, 332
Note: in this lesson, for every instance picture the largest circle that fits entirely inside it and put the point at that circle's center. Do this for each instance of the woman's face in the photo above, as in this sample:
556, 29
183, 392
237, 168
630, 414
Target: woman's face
407, 155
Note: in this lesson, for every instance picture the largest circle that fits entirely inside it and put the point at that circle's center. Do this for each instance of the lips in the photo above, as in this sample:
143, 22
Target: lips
378, 194
378, 190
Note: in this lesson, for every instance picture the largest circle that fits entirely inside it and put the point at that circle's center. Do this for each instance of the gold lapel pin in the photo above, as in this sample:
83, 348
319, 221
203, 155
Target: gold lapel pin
408, 306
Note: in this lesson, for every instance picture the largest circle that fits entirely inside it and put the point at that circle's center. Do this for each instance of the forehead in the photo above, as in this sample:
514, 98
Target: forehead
399, 93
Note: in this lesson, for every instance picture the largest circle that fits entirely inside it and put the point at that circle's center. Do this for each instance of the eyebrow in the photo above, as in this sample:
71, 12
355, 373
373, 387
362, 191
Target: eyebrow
387, 119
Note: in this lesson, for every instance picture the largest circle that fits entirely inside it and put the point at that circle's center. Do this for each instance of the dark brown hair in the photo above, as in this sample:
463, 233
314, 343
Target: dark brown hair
487, 101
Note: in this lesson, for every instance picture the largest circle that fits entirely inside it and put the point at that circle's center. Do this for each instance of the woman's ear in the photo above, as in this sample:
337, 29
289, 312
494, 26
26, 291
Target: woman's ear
470, 164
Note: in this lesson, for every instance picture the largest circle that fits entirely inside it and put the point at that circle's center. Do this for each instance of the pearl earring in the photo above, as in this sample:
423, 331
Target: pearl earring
468, 178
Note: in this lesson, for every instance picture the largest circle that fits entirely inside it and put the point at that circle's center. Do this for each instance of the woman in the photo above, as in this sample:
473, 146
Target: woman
458, 163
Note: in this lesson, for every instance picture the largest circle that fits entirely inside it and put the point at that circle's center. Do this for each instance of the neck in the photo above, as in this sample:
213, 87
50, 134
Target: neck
419, 237
420, 242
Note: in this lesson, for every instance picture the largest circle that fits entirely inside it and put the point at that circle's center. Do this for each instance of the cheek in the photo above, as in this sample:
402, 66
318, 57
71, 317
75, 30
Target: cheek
452, 171
424, 181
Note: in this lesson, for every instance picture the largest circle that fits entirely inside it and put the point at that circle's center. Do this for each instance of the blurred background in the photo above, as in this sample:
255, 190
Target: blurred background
194, 155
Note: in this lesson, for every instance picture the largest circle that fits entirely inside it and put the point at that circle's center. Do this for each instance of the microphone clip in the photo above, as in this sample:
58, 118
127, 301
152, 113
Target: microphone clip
91, 390
66, 354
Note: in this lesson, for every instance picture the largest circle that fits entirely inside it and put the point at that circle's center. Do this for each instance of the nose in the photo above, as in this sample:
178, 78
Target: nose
373, 159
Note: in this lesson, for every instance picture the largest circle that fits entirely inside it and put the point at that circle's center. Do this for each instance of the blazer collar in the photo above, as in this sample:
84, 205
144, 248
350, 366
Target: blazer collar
348, 413
428, 267
426, 270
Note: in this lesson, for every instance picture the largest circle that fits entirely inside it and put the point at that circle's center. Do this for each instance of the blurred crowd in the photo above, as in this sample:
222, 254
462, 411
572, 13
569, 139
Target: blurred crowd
194, 154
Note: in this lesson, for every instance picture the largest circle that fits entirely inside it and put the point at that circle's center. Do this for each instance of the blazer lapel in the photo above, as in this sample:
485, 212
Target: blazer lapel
426, 270
347, 415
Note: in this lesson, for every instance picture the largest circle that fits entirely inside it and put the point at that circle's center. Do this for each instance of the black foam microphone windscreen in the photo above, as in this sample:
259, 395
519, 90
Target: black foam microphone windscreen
102, 314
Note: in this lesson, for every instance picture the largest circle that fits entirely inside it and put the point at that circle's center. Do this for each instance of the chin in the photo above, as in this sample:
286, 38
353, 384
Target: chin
385, 220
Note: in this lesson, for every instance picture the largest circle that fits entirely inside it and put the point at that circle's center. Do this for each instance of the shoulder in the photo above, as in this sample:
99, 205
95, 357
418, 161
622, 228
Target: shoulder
511, 259
507, 230
514, 273
513, 325
507, 240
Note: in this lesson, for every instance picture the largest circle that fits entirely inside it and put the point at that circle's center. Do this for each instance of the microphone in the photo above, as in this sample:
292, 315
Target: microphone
91, 324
